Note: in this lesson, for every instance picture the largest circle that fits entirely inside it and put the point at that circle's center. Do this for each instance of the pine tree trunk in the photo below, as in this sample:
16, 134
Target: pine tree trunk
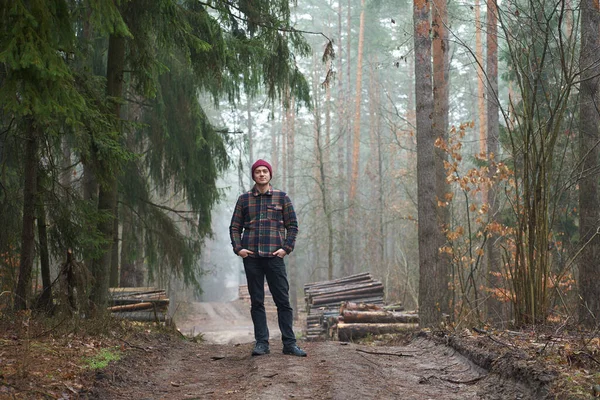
327, 153
114, 260
275, 136
493, 306
440, 130
325, 169
589, 202
107, 195
66, 170
292, 193
250, 136
45, 301
284, 142
480, 82
352, 225
342, 118
373, 171
357, 107
31, 161
431, 290
90, 182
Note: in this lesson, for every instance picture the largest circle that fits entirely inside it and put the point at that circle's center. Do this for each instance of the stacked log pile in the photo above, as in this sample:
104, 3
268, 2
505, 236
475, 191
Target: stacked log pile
357, 321
269, 303
139, 304
323, 300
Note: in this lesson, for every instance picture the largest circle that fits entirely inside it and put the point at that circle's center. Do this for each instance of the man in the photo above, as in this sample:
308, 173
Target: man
263, 231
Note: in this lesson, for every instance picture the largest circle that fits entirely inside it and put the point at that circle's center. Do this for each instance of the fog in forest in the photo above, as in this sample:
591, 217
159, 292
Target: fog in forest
447, 148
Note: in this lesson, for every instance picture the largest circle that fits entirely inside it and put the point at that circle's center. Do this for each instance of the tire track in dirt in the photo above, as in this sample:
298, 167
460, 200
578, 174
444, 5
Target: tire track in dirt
222, 368
332, 371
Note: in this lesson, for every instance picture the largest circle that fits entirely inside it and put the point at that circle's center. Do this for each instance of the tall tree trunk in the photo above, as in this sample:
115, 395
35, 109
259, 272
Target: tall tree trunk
589, 202
107, 196
292, 190
440, 130
45, 301
327, 154
275, 137
89, 179
432, 283
374, 253
342, 138
493, 306
321, 152
31, 161
348, 44
66, 170
114, 260
355, 155
480, 80
250, 135
285, 133
325, 169
357, 107
127, 272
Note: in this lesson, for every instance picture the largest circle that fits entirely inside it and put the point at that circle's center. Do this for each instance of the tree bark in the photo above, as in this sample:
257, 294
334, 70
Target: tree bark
31, 161
378, 317
292, 192
480, 83
348, 332
343, 117
108, 191
114, 260
145, 305
357, 107
348, 295
493, 306
130, 274
250, 124
344, 288
433, 285
589, 202
440, 130
45, 301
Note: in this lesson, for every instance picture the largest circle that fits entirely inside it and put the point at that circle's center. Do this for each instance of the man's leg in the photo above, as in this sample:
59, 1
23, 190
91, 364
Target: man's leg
255, 276
279, 287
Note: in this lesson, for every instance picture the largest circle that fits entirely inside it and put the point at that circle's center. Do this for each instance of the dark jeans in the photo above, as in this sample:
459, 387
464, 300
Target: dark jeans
274, 270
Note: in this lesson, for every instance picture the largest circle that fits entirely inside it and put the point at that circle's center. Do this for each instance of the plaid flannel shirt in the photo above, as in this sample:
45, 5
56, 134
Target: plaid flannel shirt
263, 223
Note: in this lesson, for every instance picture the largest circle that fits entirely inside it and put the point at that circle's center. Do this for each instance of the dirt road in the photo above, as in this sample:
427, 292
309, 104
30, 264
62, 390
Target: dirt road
219, 323
222, 368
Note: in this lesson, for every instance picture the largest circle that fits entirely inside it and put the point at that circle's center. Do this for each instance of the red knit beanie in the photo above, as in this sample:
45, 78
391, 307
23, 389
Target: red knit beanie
262, 163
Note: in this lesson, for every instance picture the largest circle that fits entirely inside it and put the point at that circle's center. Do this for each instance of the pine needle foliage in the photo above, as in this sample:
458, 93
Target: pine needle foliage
53, 62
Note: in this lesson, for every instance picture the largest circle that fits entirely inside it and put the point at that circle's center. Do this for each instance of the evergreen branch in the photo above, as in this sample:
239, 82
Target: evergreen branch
173, 210
262, 25
228, 131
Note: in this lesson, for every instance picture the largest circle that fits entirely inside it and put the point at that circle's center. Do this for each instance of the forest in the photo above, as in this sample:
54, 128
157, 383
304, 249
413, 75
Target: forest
449, 148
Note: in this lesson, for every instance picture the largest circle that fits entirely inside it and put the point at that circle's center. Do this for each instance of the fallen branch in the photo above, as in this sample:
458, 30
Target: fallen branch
469, 382
489, 336
133, 345
384, 353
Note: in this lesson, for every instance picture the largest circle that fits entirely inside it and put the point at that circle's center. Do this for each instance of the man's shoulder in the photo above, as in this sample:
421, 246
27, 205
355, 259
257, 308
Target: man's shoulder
245, 195
278, 193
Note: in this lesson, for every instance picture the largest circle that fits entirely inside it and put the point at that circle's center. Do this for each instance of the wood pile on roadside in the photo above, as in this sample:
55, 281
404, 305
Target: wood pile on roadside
360, 320
324, 299
139, 303
269, 303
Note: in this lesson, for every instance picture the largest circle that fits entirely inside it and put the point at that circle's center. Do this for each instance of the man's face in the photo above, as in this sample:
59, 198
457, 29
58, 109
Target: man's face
262, 175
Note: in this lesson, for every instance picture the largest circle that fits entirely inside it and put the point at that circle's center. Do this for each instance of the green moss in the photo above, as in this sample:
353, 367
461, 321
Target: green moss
102, 359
